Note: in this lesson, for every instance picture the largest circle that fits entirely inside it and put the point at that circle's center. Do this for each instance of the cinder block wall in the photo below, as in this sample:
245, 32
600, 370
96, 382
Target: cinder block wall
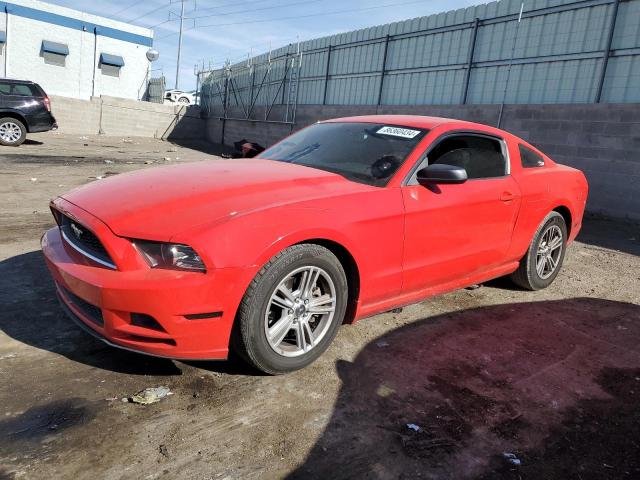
603, 140
117, 116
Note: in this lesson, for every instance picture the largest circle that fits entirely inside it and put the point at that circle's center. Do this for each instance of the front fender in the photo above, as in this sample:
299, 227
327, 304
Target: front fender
368, 225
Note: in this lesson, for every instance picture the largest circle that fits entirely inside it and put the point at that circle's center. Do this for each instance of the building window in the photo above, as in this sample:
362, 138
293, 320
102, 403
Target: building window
111, 64
54, 53
3, 40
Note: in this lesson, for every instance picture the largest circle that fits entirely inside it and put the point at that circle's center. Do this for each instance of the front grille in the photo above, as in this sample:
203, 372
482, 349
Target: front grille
84, 240
91, 312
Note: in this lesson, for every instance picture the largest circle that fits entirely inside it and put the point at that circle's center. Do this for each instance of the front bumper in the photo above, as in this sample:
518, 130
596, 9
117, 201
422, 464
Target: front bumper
103, 300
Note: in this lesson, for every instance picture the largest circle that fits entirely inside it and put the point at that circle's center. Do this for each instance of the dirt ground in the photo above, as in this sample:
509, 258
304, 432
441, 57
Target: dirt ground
552, 377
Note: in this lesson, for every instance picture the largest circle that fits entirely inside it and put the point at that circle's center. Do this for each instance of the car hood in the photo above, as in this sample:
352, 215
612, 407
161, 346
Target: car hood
158, 203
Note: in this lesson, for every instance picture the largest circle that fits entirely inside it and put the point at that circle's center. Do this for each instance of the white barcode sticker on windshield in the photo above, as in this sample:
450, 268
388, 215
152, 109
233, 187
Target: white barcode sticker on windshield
398, 132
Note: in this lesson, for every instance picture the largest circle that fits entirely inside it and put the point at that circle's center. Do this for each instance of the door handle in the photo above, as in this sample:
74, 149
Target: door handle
507, 197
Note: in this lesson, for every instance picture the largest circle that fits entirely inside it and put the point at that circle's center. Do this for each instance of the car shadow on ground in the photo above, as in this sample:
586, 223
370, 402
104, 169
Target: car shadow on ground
614, 235
32, 315
202, 146
555, 383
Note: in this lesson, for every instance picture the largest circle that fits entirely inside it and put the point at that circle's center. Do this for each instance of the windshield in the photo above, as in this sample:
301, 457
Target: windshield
364, 152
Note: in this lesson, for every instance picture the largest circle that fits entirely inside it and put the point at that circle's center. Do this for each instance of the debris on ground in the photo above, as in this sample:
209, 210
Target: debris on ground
84, 137
127, 140
149, 395
163, 450
108, 161
384, 391
382, 344
246, 149
413, 426
34, 179
512, 458
8, 355
473, 287
167, 159
148, 162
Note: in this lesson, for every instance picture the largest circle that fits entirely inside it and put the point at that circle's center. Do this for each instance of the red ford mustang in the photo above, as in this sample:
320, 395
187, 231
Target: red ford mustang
339, 221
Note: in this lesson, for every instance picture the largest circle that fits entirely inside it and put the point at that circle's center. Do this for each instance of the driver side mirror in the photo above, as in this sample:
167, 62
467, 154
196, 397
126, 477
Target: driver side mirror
441, 173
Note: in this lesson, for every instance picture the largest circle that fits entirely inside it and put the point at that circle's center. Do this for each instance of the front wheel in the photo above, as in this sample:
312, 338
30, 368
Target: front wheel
542, 263
292, 309
12, 132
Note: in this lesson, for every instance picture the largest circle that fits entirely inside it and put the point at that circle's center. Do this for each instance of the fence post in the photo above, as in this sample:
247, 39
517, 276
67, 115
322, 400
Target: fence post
326, 76
225, 104
384, 68
286, 70
253, 81
472, 48
607, 51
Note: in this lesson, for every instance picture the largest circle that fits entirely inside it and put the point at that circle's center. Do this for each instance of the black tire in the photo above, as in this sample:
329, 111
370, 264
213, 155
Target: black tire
249, 339
6, 122
184, 101
527, 275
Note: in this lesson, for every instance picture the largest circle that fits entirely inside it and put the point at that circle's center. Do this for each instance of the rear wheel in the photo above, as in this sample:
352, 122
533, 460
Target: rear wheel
292, 309
184, 100
12, 132
542, 263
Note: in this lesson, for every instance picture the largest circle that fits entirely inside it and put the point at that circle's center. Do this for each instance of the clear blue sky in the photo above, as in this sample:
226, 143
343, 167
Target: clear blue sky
213, 40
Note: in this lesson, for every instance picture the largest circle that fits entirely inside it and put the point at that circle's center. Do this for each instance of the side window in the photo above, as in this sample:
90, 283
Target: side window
51, 58
529, 158
22, 90
54, 53
110, 70
481, 157
110, 64
18, 89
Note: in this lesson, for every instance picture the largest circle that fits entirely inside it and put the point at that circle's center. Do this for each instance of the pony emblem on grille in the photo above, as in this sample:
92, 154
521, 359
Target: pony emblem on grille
77, 231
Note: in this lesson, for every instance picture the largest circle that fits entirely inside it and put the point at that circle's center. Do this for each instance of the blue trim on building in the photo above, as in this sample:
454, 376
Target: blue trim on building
74, 23
54, 47
3, 36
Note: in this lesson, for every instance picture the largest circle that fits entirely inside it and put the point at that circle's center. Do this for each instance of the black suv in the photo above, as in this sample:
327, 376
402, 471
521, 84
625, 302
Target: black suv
24, 108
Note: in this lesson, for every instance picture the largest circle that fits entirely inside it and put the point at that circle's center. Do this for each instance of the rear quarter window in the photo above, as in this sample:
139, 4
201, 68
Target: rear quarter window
529, 158
23, 90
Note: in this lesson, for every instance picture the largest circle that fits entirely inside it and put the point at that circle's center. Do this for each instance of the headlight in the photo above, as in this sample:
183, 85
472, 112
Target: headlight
170, 255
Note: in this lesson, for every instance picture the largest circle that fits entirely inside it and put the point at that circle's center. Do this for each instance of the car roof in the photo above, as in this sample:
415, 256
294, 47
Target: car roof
17, 82
415, 121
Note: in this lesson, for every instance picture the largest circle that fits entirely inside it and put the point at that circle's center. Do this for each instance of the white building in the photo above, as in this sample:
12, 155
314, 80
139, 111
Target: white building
72, 53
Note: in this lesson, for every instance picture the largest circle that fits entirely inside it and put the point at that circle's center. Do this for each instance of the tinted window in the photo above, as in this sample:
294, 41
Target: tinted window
481, 157
529, 158
364, 152
19, 89
57, 59
110, 70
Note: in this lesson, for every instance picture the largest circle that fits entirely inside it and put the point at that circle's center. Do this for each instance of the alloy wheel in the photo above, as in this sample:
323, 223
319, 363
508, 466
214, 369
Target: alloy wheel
300, 311
10, 132
549, 251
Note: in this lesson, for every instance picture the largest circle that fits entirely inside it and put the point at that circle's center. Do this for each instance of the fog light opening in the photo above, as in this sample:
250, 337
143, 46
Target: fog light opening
146, 321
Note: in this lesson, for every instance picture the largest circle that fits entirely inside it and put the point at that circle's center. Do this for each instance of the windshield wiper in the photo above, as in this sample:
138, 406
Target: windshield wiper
301, 153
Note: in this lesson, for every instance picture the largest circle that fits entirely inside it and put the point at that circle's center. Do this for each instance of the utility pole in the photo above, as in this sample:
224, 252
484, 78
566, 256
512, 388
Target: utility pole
180, 43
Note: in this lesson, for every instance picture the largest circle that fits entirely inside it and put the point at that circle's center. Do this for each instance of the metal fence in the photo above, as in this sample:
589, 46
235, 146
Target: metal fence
551, 51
